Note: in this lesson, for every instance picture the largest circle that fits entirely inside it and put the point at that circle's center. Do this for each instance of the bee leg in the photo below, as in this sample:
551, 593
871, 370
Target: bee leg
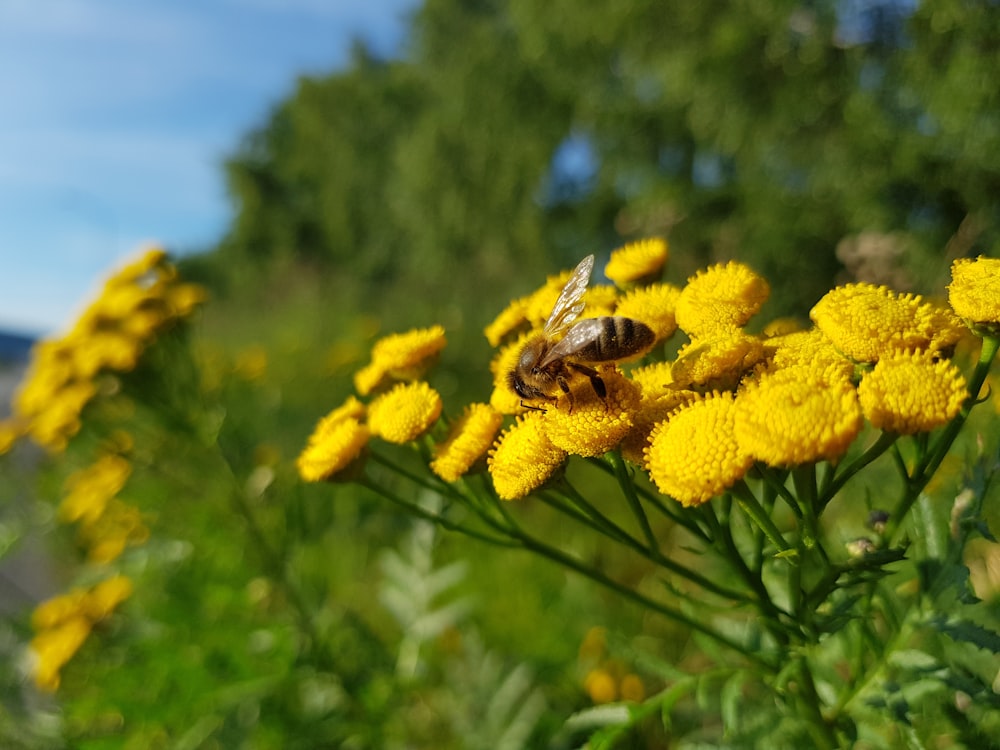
595, 380
564, 387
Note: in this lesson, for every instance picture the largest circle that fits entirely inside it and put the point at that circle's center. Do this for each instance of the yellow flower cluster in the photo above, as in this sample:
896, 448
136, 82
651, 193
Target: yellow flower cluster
730, 398
696, 423
63, 623
607, 679
400, 356
136, 304
399, 415
106, 524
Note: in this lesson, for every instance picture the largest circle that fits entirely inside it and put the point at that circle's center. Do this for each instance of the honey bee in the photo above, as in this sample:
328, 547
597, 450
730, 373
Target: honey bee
566, 346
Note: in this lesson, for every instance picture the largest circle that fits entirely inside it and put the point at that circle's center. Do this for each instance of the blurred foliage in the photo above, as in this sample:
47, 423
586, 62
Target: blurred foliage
517, 136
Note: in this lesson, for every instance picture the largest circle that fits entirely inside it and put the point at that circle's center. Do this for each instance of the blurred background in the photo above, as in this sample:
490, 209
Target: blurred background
335, 171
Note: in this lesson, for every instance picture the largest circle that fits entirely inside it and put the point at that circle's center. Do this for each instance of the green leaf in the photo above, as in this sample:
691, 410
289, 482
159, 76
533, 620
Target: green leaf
966, 631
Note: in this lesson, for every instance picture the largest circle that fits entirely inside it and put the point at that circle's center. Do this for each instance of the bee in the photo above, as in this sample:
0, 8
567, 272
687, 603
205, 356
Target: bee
567, 346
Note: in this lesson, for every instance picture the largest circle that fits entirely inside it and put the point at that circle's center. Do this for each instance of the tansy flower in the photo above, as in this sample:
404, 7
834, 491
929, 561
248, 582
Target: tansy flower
53, 426
720, 297
593, 426
974, 291
337, 440
797, 415
811, 348
404, 413
632, 688
693, 456
469, 439
11, 431
89, 490
512, 317
866, 322
503, 399
716, 363
539, 304
599, 300
782, 327
653, 305
63, 623
655, 407
601, 686
637, 262
910, 392
106, 537
401, 356
184, 298
523, 458
653, 379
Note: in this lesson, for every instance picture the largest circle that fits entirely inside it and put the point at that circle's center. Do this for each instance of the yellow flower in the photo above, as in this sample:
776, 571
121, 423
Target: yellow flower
53, 648
599, 300
782, 327
911, 392
60, 420
654, 407
721, 297
11, 430
974, 291
811, 348
797, 415
632, 688
105, 350
89, 490
653, 305
368, 378
104, 598
64, 622
866, 322
637, 262
601, 686
107, 536
469, 439
512, 317
404, 413
539, 304
401, 356
503, 398
716, 363
335, 443
523, 458
654, 378
593, 426
183, 299
693, 456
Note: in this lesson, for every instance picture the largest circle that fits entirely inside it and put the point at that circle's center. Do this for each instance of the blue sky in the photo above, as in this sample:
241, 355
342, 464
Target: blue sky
117, 114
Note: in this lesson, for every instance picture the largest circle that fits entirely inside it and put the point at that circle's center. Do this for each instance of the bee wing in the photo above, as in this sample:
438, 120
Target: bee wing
570, 303
580, 335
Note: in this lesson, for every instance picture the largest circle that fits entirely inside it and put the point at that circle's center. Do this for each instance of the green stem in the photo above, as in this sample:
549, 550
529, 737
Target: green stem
880, 446
427, 515
748, 503
534, 545
628, 490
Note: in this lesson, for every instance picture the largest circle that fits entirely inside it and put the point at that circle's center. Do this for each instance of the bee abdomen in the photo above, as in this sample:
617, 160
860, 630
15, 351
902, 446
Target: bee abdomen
616, 337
